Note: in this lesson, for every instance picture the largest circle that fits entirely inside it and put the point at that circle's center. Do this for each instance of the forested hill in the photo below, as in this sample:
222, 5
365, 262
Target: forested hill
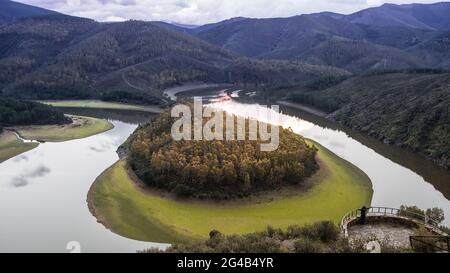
219, 169
59, 56
408, 109
11, 11
387, 37
14, 112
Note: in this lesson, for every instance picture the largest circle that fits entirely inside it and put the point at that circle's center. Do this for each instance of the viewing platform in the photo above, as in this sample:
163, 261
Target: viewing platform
396, 226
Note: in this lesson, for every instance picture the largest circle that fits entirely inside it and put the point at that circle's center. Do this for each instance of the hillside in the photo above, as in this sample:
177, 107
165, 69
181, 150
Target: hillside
15, 112
212, 169
355, 42
420, 16
56, 57
11, 11
407, 109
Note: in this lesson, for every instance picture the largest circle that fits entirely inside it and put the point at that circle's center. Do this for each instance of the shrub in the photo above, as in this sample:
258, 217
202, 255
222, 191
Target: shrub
326, 231
305, 245
412, 212
436, 214
182, 190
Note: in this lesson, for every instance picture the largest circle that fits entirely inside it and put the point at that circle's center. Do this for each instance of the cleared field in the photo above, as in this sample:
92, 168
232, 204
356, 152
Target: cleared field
10, 146
139, 214
102, 105
80, 128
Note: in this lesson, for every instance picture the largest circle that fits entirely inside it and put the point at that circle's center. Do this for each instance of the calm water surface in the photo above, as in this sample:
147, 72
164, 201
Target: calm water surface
398, 177
43, 192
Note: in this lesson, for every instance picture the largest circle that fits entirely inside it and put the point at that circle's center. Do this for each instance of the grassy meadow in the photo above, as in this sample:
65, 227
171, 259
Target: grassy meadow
80, 128
96, 104
10, 146
144, 215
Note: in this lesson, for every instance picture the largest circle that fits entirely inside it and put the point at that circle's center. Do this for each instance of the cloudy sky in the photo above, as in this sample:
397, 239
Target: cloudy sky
201, 11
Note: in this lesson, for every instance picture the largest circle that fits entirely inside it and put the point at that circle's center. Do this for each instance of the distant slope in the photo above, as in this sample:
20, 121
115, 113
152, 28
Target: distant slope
389, 37
11, 11
321, 39
421, 16
218, 24
56, 57
407, 109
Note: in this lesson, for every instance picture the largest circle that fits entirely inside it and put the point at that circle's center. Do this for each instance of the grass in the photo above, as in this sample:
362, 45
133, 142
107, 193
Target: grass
96, 104
10, 146
81, 127
131, 212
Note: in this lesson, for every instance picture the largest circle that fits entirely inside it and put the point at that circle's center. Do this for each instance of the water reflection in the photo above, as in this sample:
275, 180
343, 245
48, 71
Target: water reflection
28, 176
43, 196
43, 206
393, 183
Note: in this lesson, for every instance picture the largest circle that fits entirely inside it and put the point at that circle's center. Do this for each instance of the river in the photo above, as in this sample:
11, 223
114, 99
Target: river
399, 177
43, 192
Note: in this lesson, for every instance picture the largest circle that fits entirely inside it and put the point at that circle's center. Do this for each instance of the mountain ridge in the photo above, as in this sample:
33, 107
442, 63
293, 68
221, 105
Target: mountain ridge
11, 11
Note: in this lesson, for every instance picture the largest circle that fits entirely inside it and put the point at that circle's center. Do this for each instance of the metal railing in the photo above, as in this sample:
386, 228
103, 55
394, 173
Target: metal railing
392, 213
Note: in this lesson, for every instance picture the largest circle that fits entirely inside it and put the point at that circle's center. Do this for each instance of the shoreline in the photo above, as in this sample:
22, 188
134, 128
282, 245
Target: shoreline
12, 146
81, 127
172, 92
39, 134
99, 104
116, 187
303, 107
380, 139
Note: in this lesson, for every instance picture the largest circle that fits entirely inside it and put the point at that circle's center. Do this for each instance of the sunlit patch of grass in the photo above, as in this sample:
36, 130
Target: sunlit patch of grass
96, 104
132, 212
10, 146
80, 128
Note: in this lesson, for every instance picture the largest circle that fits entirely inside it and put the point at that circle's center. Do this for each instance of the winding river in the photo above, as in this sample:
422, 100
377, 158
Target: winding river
43, 192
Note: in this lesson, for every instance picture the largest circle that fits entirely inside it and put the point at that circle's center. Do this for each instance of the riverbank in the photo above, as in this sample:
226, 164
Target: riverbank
127, 209
372, 134
303, 107
97, 104
172, 92
81, 127
11, 146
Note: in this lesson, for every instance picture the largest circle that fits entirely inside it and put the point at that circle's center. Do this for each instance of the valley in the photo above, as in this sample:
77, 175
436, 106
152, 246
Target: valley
409, 110
156, 216
89, 153
102, 148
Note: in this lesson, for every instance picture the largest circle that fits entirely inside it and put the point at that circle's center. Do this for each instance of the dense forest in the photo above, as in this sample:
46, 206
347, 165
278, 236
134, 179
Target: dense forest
64, 57
409, 108
14, 112
216, 169
320, 237
386, 37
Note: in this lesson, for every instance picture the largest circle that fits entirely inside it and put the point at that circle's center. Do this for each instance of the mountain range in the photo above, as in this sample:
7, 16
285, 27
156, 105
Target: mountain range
387, 37
381, 71
11, 11
45, 54
57, 56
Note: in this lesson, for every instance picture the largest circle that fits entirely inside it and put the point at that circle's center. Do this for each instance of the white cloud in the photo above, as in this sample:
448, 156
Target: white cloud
202, 11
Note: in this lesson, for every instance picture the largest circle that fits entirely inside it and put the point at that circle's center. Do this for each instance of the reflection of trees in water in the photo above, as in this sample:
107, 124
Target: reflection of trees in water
431, 173
127, 116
